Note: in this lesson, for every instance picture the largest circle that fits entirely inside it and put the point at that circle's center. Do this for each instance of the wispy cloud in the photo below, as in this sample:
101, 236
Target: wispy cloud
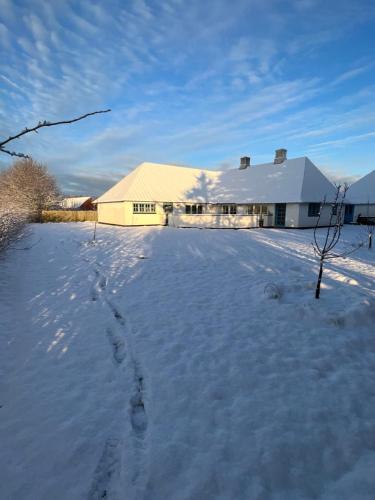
353, 73
199, 85
344, 141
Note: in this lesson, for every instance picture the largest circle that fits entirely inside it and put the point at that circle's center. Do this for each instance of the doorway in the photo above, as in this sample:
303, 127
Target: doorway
280, 211
349, 214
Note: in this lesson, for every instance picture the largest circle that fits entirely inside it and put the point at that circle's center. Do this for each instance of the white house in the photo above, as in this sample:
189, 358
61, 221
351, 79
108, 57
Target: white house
284, 193
361, 198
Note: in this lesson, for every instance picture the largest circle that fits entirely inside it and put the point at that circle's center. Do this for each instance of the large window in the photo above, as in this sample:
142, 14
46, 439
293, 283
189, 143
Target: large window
194, 209
256, 209
144, 208
228, 209
314, 209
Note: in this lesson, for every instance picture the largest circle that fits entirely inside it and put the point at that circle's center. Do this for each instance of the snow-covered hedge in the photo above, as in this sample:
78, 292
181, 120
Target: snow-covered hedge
11, 225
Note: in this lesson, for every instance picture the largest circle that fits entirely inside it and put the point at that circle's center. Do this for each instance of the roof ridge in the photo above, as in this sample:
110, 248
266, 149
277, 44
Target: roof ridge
173, 165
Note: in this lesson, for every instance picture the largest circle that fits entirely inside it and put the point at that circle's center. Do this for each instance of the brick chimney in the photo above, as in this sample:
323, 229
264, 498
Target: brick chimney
280, 156
245, 162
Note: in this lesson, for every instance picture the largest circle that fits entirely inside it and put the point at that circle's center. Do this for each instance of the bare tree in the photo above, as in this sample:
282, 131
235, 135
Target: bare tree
39, 126
325, 250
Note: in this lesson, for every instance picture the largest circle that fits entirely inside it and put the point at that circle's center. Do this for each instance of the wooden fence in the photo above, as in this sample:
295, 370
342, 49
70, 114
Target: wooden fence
69, 215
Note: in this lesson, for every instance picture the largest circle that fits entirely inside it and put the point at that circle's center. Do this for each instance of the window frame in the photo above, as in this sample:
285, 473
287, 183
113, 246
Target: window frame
313, 209
193, 209
228, 209
144, 208
257, 209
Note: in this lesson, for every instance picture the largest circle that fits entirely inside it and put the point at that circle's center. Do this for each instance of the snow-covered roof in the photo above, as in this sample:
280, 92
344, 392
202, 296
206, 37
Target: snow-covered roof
294, 181
74, 201
363, 191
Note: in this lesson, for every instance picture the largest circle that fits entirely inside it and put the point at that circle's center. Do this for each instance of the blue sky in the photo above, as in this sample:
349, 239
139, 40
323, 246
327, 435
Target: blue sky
189, 82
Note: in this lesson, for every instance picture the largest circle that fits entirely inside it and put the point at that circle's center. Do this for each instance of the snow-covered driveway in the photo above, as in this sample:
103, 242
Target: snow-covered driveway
154, 365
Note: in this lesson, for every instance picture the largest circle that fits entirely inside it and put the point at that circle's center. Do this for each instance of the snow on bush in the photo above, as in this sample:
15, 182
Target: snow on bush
11, 225
26, 188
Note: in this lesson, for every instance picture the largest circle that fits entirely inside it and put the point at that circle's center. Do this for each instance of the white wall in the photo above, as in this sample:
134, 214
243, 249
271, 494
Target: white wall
121, 213
292, 215
364, 210
306, 221
218, 221
111, 213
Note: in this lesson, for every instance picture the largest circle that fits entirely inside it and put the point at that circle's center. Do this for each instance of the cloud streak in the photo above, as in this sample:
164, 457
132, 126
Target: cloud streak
199, 85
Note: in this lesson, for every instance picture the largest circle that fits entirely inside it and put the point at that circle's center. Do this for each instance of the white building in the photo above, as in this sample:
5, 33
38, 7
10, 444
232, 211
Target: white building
284, 193
361, 198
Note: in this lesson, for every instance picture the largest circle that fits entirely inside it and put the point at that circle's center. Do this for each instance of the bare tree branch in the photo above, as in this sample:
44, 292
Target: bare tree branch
41, 125
13, 153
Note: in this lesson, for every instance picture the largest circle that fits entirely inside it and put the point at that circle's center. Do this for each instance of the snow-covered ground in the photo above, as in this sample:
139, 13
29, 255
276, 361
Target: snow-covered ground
157, 364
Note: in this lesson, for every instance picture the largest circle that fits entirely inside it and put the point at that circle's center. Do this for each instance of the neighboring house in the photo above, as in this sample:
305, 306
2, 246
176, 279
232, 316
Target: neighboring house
361, 199
77, 203
285, 193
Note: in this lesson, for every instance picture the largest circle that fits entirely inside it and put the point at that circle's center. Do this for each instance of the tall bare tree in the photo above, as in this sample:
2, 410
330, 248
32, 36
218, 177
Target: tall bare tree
325, 250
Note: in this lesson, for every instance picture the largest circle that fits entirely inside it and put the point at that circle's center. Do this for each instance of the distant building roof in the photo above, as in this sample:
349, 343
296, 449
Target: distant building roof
363, 191
293, 181
74, 202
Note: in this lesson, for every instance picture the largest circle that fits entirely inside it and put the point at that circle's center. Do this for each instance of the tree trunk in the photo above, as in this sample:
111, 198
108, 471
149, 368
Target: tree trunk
370, 240
317, 291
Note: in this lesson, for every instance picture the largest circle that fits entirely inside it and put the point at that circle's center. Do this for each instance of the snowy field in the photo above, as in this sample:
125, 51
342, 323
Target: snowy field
153, 365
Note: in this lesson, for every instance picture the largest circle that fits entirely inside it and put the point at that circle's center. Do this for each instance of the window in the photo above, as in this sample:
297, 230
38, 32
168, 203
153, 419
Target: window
144, 208
193, 209
256, 210
334, 209
168, 208
314, 209
228, 209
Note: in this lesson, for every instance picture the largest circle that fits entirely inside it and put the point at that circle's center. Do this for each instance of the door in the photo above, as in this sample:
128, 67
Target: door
168, 209
280, 210
349, 213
